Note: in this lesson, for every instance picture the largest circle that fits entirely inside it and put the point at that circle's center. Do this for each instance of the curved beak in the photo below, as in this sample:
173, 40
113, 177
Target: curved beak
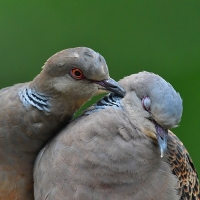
112, 86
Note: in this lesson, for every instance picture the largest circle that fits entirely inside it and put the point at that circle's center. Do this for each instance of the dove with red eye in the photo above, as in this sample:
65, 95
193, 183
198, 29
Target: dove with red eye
33, 112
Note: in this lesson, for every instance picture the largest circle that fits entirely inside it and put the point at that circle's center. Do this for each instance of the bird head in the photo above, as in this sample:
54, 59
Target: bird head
72, 77
82, 70
159, 99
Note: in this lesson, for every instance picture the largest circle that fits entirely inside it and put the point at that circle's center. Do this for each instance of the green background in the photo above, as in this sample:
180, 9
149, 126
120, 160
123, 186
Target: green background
157, 36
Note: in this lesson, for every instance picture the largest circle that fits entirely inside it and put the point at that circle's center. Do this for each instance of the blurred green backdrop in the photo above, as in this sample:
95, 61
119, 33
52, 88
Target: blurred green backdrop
153, 35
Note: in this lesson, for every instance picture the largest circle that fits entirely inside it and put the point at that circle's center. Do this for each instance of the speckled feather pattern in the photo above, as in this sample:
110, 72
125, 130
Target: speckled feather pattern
183, 168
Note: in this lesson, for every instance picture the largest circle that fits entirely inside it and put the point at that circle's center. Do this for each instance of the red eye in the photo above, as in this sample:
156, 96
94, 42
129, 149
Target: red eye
77, 73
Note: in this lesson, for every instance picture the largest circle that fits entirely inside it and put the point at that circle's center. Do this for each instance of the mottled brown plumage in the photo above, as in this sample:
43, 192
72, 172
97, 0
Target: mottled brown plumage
112, 150
183, 168
31, 113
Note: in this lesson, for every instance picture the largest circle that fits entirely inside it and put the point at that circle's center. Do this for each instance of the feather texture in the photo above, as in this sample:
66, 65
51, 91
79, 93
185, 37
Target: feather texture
112, 151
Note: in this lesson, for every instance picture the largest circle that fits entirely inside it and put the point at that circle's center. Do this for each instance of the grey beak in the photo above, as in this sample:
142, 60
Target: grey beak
112, 86
162, 136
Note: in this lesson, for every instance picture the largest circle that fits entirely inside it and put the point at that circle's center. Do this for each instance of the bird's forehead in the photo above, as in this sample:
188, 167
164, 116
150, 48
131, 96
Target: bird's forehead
95, 70
93, 65
75, 55
90, 62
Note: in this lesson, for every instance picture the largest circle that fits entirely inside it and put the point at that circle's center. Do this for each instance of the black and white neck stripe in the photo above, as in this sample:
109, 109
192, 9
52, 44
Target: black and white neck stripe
31, 97
110, 100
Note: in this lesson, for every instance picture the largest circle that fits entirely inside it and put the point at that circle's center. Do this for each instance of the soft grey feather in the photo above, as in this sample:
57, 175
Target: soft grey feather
166, 104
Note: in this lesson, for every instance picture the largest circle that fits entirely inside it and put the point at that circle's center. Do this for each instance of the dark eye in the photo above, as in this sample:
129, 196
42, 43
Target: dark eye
77, 73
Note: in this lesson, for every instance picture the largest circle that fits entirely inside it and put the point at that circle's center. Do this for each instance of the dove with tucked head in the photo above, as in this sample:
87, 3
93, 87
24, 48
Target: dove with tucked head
113, 150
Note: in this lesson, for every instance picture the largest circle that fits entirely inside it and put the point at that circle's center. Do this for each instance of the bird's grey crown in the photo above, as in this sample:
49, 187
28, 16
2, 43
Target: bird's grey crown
109, 100
92, 64
31, 97
165, 103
